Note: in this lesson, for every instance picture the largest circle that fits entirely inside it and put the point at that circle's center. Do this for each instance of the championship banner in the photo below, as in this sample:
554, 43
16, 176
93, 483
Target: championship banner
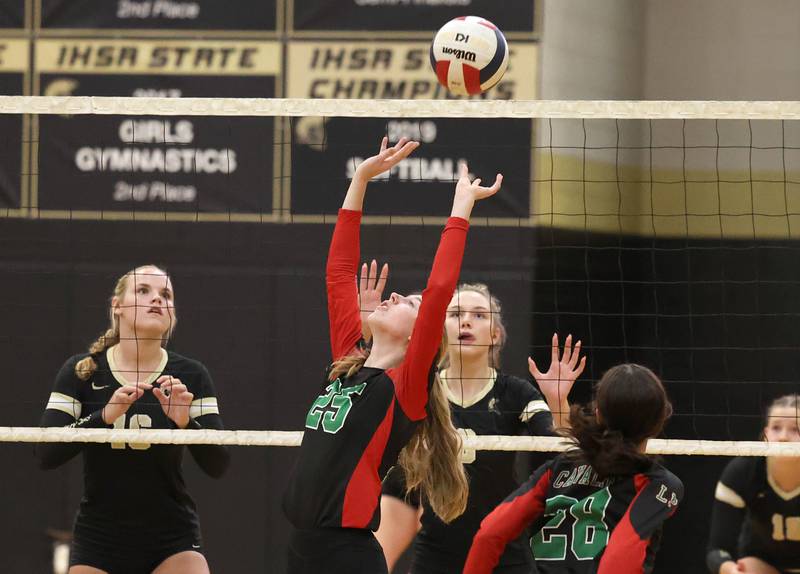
325, 151
407, 15
12, 14
13, 71
216, 15
198, 165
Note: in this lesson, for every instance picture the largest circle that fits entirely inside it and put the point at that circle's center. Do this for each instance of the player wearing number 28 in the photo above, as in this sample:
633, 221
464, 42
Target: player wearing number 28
136, 515
380, 402
597, 508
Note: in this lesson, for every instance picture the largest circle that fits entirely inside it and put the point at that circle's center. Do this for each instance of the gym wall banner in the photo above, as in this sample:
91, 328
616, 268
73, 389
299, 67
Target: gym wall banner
101, 167
12, 14
325, 151
157, 15
14, 66
92, 165
517, 18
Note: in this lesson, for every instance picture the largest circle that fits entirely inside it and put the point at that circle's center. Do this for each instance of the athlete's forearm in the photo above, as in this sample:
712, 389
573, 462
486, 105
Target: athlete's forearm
344, 315
214, 459
726, 523
354, 200
54, 454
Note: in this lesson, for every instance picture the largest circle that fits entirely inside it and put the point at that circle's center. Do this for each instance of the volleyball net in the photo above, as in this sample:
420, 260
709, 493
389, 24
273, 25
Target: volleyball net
663, 233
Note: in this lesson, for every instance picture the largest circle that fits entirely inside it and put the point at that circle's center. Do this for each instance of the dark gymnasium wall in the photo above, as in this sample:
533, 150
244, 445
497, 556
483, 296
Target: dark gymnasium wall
239, 211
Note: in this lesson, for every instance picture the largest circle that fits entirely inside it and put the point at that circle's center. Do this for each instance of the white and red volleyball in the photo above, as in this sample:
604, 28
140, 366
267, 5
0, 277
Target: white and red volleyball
469, 55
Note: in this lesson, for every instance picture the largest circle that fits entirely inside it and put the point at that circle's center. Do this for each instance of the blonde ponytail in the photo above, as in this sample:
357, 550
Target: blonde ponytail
85, 368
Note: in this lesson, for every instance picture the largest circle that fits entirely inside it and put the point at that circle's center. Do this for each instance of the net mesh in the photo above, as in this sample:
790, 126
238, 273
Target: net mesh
656, 232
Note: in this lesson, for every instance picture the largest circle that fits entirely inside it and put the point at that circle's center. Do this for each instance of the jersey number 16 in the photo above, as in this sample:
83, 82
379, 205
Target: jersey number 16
135, 422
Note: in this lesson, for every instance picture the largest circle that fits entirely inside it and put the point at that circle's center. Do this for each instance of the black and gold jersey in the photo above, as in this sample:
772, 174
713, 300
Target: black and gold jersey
507, 406
753, 516
126, 484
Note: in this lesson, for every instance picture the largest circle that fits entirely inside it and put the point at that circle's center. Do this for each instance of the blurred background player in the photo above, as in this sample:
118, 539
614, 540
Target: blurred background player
755, 523
136, 514
379, 401
599, 507
483, 401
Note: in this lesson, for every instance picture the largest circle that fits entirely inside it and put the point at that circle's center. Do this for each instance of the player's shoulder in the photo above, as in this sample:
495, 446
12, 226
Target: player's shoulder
191, 372
184, 364
75, 359
565, 461
743, 471
515, 386
67, 382
744, 465
658, 473
68, 368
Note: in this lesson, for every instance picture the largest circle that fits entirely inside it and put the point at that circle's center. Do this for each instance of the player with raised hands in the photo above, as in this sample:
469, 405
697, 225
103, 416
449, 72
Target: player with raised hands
483, 401
381, 403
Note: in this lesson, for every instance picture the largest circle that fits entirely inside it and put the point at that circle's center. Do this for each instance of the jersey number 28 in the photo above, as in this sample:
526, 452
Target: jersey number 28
585, 532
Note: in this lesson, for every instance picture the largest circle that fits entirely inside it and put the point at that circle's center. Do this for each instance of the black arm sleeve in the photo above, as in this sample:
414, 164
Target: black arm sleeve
64, 409
541, 424
212, 458
727, 515
534, 412
394, 485
54, 454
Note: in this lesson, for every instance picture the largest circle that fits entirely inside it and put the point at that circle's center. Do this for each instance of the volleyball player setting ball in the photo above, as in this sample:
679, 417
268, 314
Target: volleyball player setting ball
136, 514
377, 402
755, 523
599, 507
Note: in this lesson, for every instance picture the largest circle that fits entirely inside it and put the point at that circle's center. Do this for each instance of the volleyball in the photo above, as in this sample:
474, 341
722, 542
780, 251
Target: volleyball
469, 55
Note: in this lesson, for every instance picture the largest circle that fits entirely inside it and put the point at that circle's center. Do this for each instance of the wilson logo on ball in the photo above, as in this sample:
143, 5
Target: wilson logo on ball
469, 55
460, 54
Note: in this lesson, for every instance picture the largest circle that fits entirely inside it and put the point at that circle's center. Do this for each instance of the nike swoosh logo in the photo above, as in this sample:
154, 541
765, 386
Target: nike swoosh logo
97, 388
195, 546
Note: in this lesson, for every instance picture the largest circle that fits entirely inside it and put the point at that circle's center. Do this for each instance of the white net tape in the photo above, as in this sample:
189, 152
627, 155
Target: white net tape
293, 438
399, 108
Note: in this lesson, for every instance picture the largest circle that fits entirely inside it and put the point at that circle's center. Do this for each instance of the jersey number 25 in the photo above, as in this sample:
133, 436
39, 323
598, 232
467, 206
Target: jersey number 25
333, 407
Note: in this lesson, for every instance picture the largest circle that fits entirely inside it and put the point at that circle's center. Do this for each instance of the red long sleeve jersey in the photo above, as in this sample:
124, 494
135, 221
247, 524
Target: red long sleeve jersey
357, 427
583, 524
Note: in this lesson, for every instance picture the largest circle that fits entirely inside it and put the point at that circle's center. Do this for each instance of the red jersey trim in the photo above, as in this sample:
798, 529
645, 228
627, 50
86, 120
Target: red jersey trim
504, 524
626, 551
411, 378
344, 314
363, 492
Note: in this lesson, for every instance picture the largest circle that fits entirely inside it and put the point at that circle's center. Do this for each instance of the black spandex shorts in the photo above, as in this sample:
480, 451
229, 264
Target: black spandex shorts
335, 551
128, 552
